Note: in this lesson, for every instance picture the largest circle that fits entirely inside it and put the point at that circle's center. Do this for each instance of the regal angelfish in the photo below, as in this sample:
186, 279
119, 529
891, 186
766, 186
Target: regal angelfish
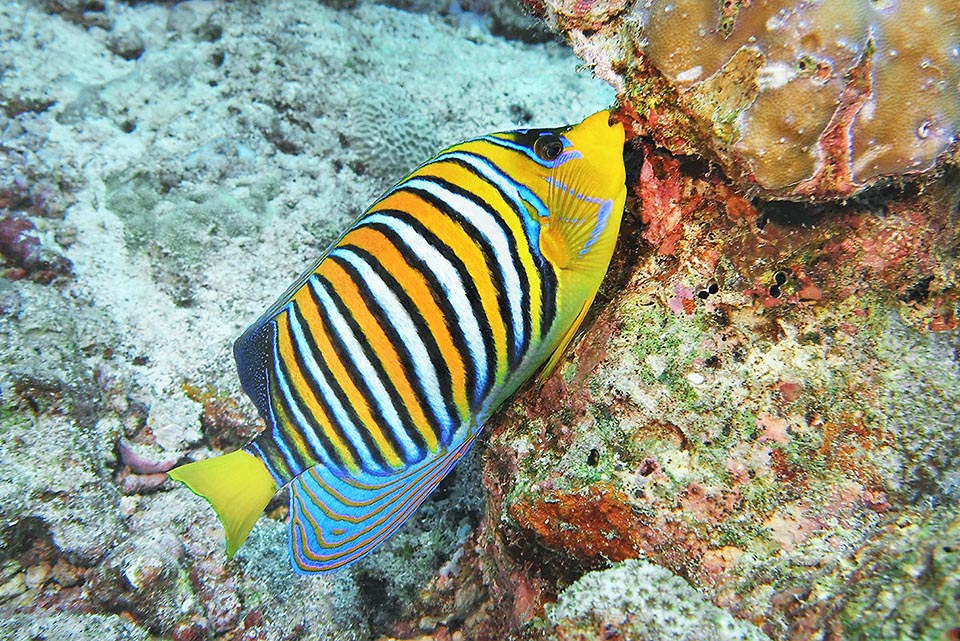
378, 367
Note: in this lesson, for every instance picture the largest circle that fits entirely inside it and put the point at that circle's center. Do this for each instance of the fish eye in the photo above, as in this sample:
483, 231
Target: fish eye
548, 147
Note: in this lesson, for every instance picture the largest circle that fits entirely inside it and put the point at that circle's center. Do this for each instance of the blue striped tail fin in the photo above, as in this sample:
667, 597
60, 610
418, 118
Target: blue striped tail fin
337, 519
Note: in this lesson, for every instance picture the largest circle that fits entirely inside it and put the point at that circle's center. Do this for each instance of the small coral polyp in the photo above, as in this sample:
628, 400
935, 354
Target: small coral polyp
808, 99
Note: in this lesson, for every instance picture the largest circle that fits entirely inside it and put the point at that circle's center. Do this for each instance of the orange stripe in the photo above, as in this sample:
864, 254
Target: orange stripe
485, 191
338, 370
376, 337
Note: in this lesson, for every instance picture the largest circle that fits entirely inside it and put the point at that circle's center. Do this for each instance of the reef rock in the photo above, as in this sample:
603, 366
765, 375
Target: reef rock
765, 404
797, 100
166, 169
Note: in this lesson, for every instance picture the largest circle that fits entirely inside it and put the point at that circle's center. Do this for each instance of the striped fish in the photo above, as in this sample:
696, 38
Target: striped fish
378, 367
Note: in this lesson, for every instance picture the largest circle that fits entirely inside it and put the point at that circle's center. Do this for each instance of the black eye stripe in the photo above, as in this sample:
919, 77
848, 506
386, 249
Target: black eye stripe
548, 147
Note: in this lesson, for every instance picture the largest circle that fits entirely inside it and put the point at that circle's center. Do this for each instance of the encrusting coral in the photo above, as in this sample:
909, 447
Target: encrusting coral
641, 600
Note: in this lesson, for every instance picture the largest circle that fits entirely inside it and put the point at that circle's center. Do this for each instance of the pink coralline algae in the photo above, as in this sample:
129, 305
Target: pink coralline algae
798, 100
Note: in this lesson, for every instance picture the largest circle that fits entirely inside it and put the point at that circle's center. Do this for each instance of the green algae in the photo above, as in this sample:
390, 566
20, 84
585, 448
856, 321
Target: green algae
913, 594
665, 346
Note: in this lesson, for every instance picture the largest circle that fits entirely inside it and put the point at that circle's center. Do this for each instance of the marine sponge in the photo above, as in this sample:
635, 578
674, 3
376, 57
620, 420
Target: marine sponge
810, 99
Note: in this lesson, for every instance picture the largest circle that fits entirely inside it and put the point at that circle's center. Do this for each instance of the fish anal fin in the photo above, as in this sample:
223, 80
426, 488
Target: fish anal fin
337, 519
238, 487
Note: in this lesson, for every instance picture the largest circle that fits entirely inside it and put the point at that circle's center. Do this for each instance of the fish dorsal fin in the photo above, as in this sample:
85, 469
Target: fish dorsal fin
253, 352
336, 519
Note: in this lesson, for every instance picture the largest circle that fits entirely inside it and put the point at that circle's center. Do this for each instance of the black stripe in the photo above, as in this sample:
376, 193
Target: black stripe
302, 405
338, 391
376, 310
493, 267
472, 295
548, 294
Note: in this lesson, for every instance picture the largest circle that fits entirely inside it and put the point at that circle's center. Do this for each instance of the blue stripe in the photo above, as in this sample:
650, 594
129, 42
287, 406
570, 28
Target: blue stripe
277, 432
603, 212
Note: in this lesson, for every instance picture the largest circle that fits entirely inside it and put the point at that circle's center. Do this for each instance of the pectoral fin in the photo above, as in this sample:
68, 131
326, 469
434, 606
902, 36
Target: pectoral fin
563, 342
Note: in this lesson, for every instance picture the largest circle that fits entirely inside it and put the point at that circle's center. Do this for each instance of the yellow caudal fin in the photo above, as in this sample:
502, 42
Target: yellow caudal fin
237, 485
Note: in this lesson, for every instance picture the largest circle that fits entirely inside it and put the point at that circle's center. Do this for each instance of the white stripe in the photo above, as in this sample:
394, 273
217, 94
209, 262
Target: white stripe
453, 288
277, 433
400, 319
520, 195
495, 237
339, 413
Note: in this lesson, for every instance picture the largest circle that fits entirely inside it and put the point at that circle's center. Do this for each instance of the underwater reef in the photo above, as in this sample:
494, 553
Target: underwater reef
767, 401
165, 170
756, 435
772, 415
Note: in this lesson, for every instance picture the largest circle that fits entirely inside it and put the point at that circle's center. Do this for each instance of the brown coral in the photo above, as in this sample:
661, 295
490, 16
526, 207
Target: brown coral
800, 100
